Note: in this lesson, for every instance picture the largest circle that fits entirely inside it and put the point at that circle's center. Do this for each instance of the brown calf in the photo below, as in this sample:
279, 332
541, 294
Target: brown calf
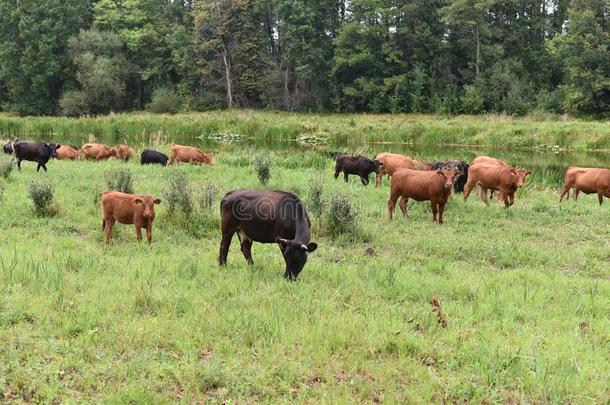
188, 154
122, 152
521, 173
390, 162
66, 152
97, 151
138, 210
503, 179
587, 180
421, 186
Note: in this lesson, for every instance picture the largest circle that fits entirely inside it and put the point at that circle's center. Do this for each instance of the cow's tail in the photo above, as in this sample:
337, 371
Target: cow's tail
103, 224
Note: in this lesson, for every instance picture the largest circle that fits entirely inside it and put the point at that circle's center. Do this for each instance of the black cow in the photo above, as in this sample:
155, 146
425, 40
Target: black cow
35, 152
267, 217
358, 165
150, 156
461, 166
8, 147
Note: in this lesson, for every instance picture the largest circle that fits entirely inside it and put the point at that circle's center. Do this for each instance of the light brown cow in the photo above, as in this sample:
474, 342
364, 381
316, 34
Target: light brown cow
434, 186
138, 210
123, 152
66, 152
503, 179
587, 180
488, 160
522, 173
390, 162
97, 151
188, 154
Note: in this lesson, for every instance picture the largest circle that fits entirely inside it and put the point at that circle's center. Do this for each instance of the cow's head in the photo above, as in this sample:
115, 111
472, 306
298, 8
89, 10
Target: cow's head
521, 176
448, 177
295, 255
148, 205
53, 148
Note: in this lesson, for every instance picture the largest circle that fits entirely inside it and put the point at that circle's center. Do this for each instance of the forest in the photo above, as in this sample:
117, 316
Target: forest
515, 57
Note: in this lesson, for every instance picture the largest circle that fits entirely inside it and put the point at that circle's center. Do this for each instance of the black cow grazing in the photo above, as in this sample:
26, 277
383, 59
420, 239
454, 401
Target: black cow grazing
150, 156
267, 217
358, 165
35, 152
461, 166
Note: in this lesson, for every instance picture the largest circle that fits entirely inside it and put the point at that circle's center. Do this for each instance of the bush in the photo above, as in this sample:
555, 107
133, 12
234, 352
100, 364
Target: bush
41, 194
120, 180
6, 167
178, 194
341, 218
73, 103
316, 189
262, 164
164, 100
472, 101
207, 195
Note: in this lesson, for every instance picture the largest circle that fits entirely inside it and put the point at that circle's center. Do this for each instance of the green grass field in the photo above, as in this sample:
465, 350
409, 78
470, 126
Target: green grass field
525, 291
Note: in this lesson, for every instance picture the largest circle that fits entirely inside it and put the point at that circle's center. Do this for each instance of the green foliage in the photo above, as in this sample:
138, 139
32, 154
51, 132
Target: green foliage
164, 100
6, 167
341, 217
41, 194
473, 99
262, 165
316, 191
207, 195
120, 180
178, 194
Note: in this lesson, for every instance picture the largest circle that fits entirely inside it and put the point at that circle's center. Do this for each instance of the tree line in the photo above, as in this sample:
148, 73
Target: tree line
87, 57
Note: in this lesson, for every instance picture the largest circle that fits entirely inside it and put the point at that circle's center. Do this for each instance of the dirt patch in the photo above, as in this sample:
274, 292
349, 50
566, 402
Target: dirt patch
436, 304
369, 251
205, 354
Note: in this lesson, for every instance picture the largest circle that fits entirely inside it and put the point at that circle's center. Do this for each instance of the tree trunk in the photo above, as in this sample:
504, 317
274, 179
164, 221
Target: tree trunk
477, 37
225, 61
286, 91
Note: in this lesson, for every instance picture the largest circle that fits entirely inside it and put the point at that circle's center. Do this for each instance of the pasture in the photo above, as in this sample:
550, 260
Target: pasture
525, 293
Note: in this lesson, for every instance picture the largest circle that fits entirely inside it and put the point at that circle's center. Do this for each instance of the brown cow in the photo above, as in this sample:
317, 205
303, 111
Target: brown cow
422, 186
188, 154
522, 173
138, 210
66, 152
503, 179
587, 180
123, 152
97, 151
488, 160
390, 162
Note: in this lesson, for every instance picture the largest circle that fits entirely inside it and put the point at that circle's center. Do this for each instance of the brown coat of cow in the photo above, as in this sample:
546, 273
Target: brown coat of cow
66, 152
97, 151
488, 160
123, 152
587, 180
522, 173
504, 179
138, 210
434, 186
188, 154
390, 162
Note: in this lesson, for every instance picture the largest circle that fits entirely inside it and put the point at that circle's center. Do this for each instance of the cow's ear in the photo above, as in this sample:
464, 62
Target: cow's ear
282, 242
311, 246
138, 201
157, 201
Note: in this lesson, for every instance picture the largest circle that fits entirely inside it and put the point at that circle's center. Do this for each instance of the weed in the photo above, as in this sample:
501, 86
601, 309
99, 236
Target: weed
41, 194
6, 167
120, 180
178, 194
262, 165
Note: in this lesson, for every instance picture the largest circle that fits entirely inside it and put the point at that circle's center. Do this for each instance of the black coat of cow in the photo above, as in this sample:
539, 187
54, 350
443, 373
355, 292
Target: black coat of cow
461, 166
8, 147
150, 156
35, 152
358, 165
267, 217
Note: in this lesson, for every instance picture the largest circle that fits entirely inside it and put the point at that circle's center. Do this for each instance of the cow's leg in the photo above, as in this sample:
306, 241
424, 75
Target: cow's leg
225, 242
511, 198
378, 179
600, 197
43, 166
504, 197
246, 247
575, 192
434, 206
345, 176
468, 187
337, 172
364, 180
18, 163
391, 203
441, 208
149, 232
483, 195
139, 232
403, 205
566, 190
109, 221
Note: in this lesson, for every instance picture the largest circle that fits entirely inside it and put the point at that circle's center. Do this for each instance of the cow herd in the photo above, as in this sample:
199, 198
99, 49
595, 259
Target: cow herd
279, 217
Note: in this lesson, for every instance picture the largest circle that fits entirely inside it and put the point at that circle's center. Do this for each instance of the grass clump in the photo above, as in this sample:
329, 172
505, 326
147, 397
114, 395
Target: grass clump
316, 190
6, 167
207, 196
262, 165
41, 194
178, 194
120, 180
341, 218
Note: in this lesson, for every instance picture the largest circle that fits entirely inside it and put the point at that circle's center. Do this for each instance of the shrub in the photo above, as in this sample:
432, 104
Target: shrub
207, 195
164, 100
73, 103
6, 167
120, 180
178, 194
41, 194
341, 218
472, 101
262, 164
316, 189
